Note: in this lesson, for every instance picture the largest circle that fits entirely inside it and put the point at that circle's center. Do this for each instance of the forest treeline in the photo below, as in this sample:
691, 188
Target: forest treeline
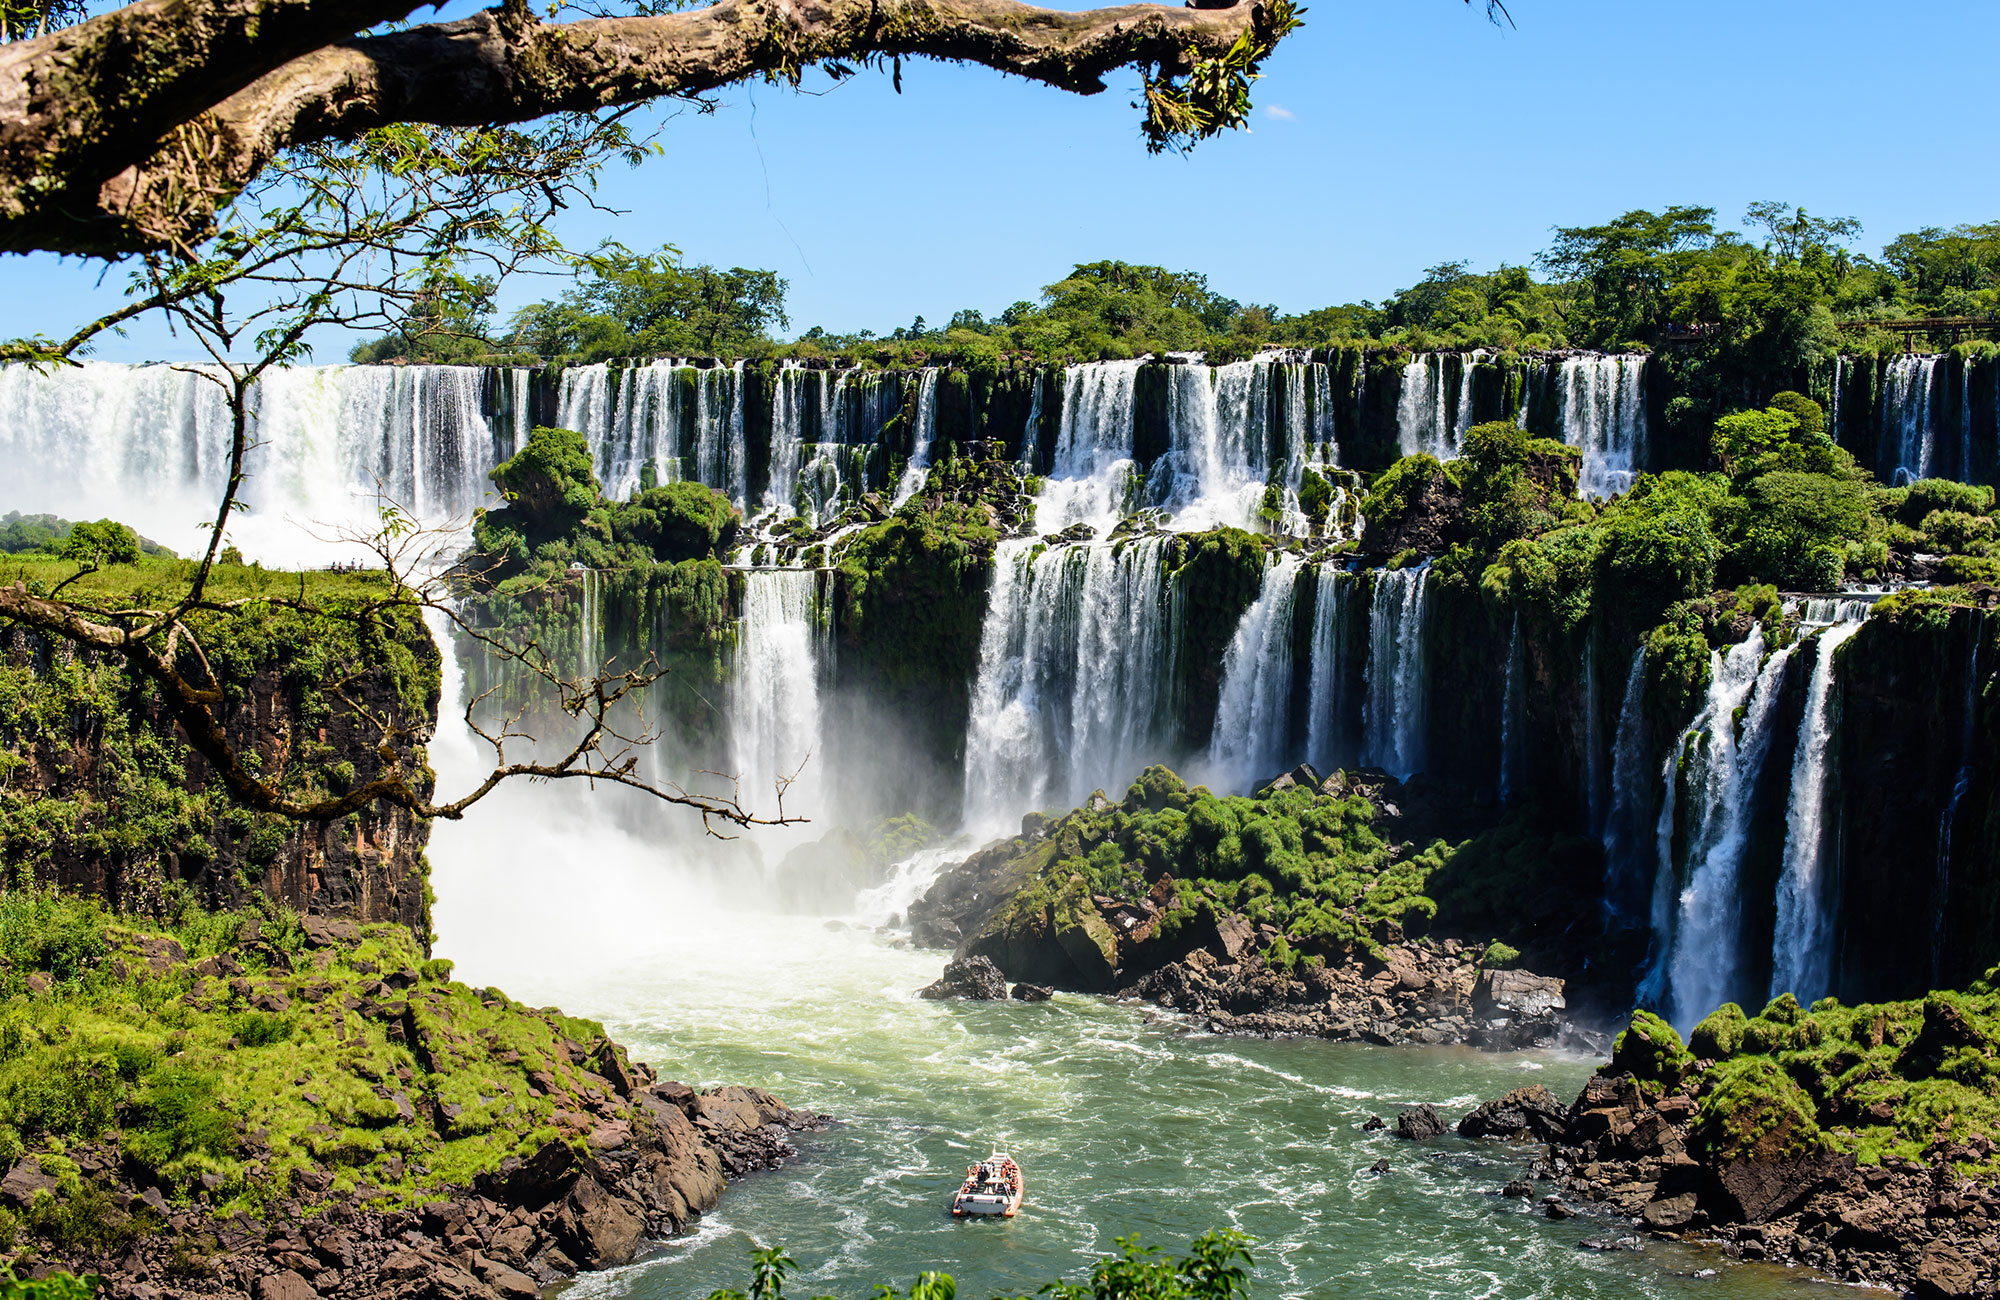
1769, 298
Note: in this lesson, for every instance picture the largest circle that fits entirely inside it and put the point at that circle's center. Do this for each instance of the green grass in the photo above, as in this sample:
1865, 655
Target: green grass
156, 581
187, 1079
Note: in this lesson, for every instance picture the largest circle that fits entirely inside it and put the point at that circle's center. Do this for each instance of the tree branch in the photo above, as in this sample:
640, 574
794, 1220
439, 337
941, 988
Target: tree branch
117, 194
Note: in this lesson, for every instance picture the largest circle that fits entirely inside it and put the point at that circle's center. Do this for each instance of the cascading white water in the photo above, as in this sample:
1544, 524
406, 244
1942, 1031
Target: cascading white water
1801, 959
149, 445
1420, 413
1511, 710
1908, 402
1724, 755
1217, 438
1329, 711
636, 417
1604, 415
1252, 714
773, 701
1093, 454
1625, 836
1396, 712
1075, 662
922, 438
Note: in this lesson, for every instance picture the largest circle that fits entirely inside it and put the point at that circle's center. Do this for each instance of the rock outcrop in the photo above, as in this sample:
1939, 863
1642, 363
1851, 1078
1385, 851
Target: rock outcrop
525, 1226
972, 978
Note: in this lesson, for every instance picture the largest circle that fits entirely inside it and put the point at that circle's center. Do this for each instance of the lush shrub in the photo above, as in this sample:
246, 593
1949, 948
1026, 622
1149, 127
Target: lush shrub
1752, 1109
1650, 1051
1720, 1034
681, 521
104, 542
1916, 502
42, 931
1678, 661
1791, 529
1954, 530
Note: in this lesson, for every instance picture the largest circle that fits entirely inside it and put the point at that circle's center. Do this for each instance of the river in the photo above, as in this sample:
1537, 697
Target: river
1124, 1121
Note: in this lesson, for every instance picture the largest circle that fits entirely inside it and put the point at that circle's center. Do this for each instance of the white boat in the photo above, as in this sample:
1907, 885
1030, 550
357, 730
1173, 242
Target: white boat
993, 1189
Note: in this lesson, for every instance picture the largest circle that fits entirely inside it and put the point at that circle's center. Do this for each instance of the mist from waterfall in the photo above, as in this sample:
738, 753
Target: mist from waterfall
1253, 711
1724, 756
774, 696
1801, 952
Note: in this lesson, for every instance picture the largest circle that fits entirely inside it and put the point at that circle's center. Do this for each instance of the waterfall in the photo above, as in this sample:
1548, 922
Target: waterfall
1965, 420
1941, 893
793, 424
1397, 705
1625, 839
636, 416
150, 445
1907, 430
1031, 436
1253, 713
922, 438
1330, 721
773, 701
1603, 401
1511, 707
1217, 444
1075, 662
1724, 756
1093, 456
1420, 413
1801, 957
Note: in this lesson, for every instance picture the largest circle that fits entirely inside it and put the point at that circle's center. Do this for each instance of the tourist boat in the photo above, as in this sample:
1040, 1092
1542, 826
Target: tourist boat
993, 1187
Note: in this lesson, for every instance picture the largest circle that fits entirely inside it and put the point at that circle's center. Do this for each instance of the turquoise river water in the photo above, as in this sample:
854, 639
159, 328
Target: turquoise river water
1124, 1121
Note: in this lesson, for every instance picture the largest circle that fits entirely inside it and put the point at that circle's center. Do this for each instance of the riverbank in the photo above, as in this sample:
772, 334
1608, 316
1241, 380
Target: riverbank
223, 1104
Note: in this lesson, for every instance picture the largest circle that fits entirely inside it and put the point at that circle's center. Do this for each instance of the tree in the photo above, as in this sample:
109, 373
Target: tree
132, 129
650, 305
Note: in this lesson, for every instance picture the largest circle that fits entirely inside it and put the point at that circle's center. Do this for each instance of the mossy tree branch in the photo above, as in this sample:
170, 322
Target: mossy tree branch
131, 130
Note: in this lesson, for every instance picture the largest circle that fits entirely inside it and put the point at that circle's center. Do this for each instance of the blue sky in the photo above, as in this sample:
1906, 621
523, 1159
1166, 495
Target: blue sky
1388, 136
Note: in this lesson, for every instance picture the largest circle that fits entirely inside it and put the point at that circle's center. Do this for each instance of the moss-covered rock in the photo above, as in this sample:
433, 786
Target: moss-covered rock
1650, 1051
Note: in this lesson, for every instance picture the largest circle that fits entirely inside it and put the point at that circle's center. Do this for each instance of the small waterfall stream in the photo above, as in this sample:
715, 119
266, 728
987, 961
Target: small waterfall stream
1604, 416
1967, 756
1511, 709
1724, 754
1396, 711
1909, 433
1253, 710
774, 705
1801, 956
1330, 712
1626, 835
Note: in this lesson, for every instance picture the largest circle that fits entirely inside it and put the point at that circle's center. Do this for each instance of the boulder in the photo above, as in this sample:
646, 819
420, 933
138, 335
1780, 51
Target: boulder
974, 978
1419, 1123
597, 1229
287, 1285
1752, 1191
1947, 1274
1032, 993
1516, 993
1530, 1114
23, 1181
1670, 1214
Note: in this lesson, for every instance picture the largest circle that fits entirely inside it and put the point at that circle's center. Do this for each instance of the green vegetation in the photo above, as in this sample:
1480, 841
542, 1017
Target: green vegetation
1896, 1078
224, 1056
128, 800
1743, 305
1308, 862
105, 541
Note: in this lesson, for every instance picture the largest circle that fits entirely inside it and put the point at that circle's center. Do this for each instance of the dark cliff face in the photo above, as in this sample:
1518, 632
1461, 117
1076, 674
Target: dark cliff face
1919, 887
99, 793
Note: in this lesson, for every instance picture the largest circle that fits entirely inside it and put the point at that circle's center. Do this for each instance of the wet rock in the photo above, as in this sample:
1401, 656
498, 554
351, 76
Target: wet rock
972, 978
596, 1228
1031, 993
1419, 1123
1611, 1243
1520, 1189
1555, 1207
1531, 1114
1380, 1166
1671, 1214
1374, 1125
